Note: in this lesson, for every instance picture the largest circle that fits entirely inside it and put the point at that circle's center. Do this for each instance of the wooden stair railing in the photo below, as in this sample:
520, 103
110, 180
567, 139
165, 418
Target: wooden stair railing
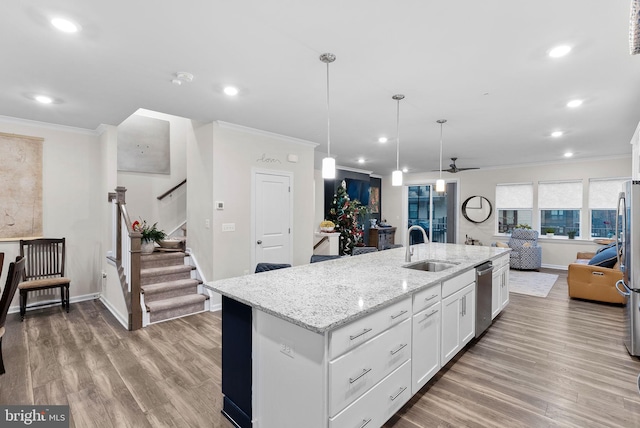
168, 192
127, 257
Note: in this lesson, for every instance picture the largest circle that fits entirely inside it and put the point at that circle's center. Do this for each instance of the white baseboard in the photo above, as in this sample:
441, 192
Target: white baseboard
559, 267
118, 316
56, 302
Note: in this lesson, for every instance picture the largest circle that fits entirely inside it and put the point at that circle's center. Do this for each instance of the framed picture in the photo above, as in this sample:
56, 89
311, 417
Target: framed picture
374, 200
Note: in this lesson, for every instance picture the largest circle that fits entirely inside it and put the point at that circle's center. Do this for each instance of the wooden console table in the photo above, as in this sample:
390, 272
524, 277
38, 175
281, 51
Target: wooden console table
382, 237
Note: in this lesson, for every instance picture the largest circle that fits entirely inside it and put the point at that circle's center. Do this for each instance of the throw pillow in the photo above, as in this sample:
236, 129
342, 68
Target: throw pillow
599, 250
526, 245
605, 258
501, 245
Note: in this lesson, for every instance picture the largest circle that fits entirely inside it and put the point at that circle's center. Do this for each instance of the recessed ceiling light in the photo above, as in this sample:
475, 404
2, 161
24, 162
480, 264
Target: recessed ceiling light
231, 91
383, 139
43, 99
556, 134
361, 160
559, 51
65, 25
574, 103
568, 155
405, 169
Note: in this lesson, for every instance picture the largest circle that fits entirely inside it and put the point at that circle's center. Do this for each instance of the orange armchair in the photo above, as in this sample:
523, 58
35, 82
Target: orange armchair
594, 282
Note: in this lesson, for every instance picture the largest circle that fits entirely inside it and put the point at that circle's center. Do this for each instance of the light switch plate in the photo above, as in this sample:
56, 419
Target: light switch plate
228, 227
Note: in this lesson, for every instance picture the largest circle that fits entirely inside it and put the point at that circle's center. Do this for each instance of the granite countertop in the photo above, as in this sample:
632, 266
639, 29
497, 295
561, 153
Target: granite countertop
323, 296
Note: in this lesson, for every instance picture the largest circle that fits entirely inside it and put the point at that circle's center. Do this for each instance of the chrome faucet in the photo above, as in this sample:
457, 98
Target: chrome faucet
409, 253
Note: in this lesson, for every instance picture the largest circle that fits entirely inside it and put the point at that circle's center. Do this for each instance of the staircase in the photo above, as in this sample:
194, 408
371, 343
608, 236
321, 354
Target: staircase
169, 287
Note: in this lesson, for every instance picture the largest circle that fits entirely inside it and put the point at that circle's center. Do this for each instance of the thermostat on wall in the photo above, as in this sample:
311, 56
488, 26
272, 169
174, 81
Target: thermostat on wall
219, 205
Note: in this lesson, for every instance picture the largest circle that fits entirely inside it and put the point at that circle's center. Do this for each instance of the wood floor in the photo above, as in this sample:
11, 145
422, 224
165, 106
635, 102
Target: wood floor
544, 362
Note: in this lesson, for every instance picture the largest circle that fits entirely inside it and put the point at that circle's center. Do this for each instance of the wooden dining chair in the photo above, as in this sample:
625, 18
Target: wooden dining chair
44, 269
13, 278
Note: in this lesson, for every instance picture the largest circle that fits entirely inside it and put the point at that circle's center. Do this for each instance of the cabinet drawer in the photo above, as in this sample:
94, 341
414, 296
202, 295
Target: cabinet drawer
452, 285
359, 331
354, 373
375, 407
501, 261
425, 298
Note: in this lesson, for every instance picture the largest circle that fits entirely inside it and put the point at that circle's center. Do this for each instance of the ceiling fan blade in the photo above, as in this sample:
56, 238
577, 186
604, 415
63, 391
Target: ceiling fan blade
464, 169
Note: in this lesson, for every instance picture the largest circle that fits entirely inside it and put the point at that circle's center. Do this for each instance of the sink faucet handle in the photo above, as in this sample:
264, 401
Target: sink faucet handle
410, 250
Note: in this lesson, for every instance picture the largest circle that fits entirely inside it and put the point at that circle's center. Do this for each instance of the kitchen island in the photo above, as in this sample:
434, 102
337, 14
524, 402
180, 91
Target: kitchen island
346, 342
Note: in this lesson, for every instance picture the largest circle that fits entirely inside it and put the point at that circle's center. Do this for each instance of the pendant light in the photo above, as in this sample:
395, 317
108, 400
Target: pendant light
440, 182
396, 176
328, 163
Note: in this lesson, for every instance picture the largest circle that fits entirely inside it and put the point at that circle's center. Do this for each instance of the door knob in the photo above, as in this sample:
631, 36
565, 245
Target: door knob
259, 242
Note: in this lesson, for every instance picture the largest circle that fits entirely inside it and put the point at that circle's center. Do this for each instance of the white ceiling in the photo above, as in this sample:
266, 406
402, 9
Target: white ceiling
482, 65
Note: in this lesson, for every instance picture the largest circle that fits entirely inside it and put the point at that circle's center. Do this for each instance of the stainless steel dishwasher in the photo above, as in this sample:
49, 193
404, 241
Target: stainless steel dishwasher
484, 284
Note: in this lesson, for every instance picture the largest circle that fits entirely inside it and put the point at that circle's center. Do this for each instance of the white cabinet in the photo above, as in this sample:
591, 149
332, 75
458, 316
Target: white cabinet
425, 360
500, 286
458, 321
378, 404
504, 291
360, 369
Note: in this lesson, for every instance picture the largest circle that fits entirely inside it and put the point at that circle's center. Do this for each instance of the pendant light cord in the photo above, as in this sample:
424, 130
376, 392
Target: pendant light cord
398, 137
441, 150
328, 118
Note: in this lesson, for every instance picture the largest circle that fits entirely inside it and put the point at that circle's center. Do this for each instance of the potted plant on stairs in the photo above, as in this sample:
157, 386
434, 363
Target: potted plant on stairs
150, 235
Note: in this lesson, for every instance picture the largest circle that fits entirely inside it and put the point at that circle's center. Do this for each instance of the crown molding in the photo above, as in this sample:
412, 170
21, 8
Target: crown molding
248, 130
50, 126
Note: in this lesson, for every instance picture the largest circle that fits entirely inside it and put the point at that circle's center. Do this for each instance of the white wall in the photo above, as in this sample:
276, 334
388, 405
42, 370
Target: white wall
144, 188
111, 289
72, 201
200, 195
557, 252
236, 151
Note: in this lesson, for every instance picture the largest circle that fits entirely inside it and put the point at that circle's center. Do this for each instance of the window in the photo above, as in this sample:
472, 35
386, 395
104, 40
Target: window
560, 203
428, 209
603, 201
514, 205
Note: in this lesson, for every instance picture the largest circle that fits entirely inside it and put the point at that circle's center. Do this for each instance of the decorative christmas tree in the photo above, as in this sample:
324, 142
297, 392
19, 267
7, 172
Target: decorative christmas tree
344, 213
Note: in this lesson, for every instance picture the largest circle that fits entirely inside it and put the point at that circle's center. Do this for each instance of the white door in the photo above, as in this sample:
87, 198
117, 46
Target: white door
272, 205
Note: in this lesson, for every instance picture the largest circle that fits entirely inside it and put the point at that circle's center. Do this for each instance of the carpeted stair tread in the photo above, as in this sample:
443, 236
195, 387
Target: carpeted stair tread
175, 302
160, 259
161, 287
165, 270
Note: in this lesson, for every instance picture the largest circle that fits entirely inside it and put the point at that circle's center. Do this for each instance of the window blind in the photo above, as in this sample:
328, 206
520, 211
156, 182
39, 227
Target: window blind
514, 196
560, 195
603, 194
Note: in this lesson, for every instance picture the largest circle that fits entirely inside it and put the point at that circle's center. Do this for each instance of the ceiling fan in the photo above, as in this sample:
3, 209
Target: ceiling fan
453, 168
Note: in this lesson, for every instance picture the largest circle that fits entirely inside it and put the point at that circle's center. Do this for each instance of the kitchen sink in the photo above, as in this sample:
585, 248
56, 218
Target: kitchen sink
430, 265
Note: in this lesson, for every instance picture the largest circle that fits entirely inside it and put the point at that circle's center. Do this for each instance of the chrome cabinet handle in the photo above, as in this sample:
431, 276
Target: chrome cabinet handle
399, 314
393, 397
364, 372
426, 299
365, 331
395, 351
597, 273
365, 422
429, 315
